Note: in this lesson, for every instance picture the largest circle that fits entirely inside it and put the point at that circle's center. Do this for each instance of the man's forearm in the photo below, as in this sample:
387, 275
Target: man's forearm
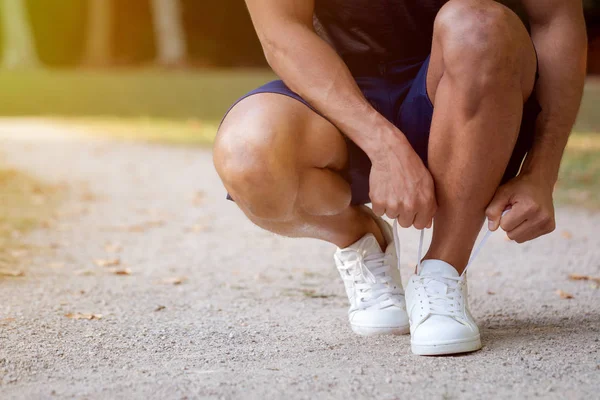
311, 68
562, 47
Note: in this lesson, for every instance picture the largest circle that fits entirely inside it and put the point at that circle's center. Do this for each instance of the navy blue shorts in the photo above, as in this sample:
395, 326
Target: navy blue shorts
398, 91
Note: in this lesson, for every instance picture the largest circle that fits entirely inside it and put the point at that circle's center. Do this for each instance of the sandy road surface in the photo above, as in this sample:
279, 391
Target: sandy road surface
257, 316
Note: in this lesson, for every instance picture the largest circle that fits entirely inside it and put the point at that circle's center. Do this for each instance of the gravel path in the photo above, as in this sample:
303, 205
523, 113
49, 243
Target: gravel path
256, 316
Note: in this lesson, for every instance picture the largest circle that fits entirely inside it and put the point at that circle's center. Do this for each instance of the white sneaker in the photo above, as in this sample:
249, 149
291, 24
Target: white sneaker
373, 285
440, 321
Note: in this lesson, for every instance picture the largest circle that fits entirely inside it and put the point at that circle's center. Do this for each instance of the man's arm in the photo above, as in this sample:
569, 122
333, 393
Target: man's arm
558, 32
401, 186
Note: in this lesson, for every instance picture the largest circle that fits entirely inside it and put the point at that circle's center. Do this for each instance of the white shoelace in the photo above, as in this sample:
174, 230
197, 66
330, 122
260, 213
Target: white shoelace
447, 303
372, 283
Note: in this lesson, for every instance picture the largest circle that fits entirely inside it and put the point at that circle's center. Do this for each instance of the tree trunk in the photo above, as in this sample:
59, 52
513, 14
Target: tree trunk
98, 47
169, 33
19, 44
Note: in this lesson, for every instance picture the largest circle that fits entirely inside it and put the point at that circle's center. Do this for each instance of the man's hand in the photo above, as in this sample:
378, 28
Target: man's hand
531, 208
400, 185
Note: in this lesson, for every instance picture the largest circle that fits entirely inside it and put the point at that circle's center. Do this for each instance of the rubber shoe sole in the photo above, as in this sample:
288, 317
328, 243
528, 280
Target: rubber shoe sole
374, 331
440, 349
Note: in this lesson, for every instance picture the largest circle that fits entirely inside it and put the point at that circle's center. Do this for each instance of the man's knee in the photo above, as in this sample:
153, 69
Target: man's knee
479, 39
256, 164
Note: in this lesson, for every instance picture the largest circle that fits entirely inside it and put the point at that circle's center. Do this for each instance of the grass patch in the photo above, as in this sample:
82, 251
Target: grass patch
25, 203
579, 180
173, 107
137, 93
589, 113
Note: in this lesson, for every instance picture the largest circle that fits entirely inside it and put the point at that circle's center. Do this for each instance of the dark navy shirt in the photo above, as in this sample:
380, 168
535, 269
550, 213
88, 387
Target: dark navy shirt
377, 30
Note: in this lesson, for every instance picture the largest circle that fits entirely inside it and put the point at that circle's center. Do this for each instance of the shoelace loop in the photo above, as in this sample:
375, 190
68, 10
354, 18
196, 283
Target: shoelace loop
371, 281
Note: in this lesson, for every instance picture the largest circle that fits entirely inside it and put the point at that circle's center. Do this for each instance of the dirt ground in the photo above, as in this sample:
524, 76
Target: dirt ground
202, 304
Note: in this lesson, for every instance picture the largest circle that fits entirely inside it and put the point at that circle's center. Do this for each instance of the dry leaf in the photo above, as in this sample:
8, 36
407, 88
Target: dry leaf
196, 228
56, 265
578, 277
154, 213
122, 271
113, 247
177, 280
564, 295
198, 198
83, 316
142, 227
314, 295
567, 234
85, 272
108, 263
88, 197
160, 308
11, 272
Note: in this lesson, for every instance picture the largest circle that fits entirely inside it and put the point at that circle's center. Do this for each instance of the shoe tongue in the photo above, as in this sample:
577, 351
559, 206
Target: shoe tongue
365, 246
437, 268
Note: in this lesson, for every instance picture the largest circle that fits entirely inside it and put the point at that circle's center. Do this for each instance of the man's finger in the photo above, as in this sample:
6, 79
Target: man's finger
406, 220
524, 232
422, 221
512, 219
392, 213
499, 203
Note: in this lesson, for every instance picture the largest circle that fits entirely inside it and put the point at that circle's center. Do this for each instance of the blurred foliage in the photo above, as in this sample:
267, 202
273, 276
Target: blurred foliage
219, 33
579, 181
589, 113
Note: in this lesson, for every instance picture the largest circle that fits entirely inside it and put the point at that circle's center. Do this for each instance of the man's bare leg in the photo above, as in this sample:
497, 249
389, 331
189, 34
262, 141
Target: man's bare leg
481, 72
280, 162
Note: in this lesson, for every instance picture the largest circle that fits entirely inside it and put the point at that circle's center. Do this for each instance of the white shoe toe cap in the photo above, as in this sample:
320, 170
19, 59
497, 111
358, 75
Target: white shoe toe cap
393, 317
440, 329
